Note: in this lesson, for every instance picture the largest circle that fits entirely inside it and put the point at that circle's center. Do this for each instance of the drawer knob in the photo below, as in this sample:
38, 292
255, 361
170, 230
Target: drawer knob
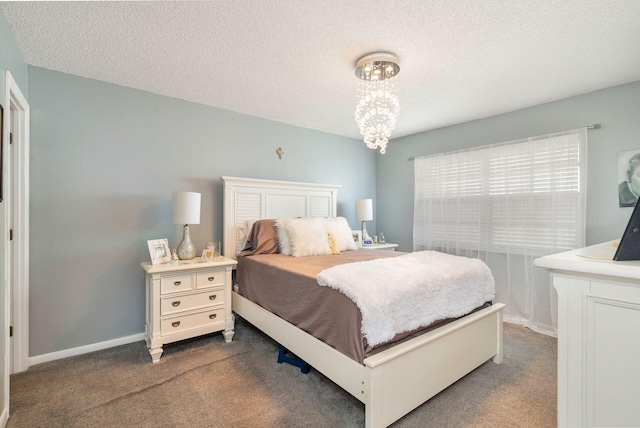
211, 278
175, 323
212, 316
175, 304
213, 297
177, 283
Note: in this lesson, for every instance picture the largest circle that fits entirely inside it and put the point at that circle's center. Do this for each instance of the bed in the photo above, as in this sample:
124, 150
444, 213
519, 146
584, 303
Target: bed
391, 382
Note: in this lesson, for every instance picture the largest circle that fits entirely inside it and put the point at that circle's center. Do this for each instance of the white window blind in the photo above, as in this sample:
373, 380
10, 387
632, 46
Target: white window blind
527, 194
524, 197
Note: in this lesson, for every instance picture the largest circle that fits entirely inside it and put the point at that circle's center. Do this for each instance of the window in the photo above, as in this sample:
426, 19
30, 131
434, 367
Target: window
507, 204
526, 195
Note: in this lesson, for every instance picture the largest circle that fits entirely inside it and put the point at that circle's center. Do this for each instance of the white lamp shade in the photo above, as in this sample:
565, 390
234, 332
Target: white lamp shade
364, 209
186, 208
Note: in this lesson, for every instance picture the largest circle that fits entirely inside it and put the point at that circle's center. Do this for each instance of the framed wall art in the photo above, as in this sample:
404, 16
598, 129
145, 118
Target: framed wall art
628, 178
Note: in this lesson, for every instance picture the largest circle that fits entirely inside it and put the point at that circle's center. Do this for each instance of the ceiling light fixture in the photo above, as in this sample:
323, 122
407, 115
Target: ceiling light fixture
378, 106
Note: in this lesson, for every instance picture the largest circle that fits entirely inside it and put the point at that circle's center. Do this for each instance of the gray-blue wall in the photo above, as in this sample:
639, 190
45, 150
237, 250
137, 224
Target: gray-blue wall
104, 162
616, 108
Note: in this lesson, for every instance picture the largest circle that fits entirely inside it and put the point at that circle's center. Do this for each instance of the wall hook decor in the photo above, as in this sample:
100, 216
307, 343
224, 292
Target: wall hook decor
280, 152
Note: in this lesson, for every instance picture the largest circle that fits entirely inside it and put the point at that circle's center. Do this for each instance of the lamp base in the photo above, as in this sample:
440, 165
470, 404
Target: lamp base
365, 235
186, 249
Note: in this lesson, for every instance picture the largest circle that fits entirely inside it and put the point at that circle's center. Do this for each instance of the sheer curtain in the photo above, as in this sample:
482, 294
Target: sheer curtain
507, 204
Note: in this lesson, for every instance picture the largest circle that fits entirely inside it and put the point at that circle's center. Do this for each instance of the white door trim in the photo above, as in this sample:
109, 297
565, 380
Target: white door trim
17, 110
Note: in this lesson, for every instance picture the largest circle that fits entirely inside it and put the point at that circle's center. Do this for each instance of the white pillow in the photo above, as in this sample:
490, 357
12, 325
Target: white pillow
307, 236
341, 231
284, 243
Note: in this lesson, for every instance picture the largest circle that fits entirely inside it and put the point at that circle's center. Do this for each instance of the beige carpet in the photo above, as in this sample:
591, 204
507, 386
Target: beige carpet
208, 383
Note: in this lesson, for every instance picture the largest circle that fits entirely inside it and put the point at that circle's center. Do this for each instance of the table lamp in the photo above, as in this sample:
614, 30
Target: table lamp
186, 211
364, 213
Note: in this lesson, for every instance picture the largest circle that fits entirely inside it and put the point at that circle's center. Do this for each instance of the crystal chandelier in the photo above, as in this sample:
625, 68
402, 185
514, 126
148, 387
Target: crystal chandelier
378, 106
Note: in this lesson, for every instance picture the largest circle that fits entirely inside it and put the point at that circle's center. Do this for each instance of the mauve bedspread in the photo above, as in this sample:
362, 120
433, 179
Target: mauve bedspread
287, 287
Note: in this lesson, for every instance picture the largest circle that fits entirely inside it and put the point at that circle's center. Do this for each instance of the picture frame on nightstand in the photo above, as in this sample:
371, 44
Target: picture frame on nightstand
357, 236
207, 255
159, 251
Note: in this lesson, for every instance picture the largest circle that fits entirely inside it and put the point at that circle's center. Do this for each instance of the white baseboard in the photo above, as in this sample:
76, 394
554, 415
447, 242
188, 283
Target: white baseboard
519, 321
4, 417
44, 358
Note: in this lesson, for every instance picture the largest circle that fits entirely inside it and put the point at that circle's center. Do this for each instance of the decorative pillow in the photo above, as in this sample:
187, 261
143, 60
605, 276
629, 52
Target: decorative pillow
307, 236
332, 244
341, 231
262, 239
284, 243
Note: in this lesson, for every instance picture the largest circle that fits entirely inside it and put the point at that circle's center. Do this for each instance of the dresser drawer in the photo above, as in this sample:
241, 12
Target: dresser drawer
174, 304
626, 293
210, 278
175, 283
187, 322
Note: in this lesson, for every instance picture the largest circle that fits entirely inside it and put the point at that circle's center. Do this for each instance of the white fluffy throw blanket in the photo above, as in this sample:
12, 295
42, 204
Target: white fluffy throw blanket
399, 294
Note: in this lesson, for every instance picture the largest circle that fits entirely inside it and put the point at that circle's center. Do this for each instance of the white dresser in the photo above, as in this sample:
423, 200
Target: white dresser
598, 337
186, 300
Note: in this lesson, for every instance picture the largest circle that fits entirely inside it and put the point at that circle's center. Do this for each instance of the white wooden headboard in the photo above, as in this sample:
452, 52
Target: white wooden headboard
255, 199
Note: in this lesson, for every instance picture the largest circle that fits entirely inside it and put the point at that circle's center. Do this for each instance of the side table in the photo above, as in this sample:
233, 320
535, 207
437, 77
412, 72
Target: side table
185, 300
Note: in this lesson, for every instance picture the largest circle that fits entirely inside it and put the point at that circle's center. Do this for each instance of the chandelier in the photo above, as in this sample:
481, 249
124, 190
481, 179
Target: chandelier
378, 106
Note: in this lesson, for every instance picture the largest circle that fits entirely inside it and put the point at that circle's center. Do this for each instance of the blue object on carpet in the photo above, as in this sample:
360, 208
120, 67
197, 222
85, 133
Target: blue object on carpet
304, 367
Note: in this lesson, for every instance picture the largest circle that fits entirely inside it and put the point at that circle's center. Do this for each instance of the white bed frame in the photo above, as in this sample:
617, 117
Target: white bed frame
392, 382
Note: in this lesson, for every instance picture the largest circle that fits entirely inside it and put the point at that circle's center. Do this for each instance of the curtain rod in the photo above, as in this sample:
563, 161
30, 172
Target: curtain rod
594, 126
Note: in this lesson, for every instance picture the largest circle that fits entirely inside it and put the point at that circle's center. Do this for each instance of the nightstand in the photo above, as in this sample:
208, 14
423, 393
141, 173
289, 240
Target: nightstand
187, 299
382, 247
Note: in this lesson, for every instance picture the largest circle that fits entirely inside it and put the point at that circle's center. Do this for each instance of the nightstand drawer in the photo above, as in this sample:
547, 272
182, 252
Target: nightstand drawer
175, 304
187, 322
175, 283
213, 278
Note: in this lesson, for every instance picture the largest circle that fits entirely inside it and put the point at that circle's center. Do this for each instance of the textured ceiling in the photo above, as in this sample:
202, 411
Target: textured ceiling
293, 60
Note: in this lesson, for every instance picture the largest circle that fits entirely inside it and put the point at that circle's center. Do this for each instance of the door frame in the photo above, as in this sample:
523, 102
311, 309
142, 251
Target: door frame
17, 113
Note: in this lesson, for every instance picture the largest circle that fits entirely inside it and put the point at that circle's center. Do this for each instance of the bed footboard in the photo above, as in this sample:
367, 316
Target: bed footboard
401, 378
395, 381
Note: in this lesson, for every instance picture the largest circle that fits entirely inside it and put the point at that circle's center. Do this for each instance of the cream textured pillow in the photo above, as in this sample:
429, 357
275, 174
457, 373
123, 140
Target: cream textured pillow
307, 236
284, 243
339, 227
